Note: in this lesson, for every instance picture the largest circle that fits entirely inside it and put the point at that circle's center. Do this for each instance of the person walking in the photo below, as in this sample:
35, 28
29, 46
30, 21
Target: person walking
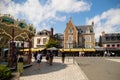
63, 57
51, 58
20, 63
35, 56
39, 58
47, 56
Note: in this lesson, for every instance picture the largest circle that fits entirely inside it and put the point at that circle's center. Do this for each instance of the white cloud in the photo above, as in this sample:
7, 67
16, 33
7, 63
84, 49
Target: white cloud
70, 5
35, 13
108, 21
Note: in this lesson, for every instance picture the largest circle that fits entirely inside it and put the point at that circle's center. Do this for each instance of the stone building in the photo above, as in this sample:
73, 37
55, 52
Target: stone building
79, 36
41, 38
110, 40
59, 37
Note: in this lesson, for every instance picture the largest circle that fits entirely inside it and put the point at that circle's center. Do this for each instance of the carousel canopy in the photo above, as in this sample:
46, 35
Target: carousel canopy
22, 30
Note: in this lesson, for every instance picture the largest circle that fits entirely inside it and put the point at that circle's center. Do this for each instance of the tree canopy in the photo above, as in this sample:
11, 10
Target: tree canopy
52, 43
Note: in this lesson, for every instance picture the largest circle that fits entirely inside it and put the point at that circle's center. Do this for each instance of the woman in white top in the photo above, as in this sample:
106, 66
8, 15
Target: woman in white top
39, 57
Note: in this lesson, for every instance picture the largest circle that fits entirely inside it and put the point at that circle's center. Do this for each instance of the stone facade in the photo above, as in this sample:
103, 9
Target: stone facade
79, 36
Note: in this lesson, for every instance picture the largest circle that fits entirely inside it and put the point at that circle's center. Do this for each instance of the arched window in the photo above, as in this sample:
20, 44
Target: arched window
118, 45
113, 45
70, 31
108, 45
87, 38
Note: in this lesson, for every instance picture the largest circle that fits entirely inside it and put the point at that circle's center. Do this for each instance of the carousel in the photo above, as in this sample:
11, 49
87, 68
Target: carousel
12, 30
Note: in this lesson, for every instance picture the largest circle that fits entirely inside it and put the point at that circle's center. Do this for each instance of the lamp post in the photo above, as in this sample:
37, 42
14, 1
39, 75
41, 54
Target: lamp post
71, 46
70, 52
73, 55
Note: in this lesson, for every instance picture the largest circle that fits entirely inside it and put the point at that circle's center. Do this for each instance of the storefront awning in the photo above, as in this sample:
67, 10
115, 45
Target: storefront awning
89, 50
77, 50
32, 49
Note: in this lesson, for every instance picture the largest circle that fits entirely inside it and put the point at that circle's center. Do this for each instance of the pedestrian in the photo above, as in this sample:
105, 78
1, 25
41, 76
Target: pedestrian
63, 56
51, 58
20, 63
39, 58
47, 56
35, 55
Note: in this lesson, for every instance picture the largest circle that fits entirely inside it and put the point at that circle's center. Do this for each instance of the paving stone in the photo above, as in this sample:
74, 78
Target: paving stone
57, 71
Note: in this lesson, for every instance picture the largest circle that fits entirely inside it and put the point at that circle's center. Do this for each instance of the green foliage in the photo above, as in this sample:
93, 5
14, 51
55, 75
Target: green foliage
5, 73
52, 43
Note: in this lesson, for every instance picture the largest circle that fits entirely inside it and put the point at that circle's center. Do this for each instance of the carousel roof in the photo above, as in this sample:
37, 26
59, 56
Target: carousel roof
22, 30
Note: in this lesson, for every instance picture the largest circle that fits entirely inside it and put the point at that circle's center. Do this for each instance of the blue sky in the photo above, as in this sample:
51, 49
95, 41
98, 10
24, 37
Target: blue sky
44, 14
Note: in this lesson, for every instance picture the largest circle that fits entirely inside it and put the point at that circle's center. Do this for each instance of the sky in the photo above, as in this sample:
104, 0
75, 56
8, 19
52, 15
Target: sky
44, 14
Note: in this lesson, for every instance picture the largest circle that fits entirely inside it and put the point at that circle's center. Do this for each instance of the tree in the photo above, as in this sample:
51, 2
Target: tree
52, 43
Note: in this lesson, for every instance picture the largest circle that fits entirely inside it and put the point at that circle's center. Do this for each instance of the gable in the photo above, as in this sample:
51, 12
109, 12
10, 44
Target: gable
70, 26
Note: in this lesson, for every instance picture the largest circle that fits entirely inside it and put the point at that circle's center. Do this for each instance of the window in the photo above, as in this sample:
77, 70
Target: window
22, 44
113, 45
91, 31
80, 39
17, 44
107, 38
71, 31
70, 38
118, 37
44, 40
88, 46
87, 38
87, 30
118, 45
108, 45
113, 38
46, 33
71, 46
38, 41
40, 33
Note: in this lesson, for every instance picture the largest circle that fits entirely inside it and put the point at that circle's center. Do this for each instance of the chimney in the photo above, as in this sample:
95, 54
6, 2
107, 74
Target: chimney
103, 33
92, 23
51, 34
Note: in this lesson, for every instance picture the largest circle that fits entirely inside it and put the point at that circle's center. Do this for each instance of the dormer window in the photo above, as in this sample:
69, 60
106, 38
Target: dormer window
46, 33
91, 31
87, 30
40, 33
80, 31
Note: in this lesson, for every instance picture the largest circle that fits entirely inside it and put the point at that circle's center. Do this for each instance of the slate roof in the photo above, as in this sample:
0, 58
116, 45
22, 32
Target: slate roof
44, 32
112, 34
111, 37
82, 29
